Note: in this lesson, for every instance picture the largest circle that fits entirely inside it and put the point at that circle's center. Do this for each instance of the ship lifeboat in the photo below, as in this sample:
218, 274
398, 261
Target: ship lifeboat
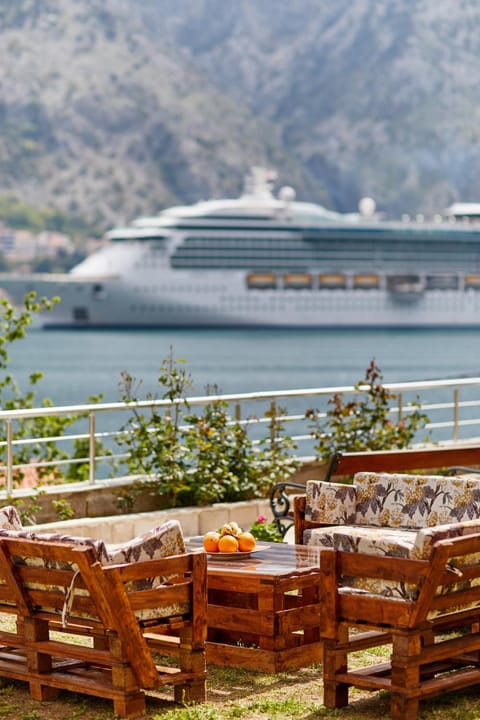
366, 282
472, 281
406, 287
262, 281
297, 281
332, 281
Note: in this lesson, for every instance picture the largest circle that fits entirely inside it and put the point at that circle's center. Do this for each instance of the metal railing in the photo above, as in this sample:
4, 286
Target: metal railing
452, 406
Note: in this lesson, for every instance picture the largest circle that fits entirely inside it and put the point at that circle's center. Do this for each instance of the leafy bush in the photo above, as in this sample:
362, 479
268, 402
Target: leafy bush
198, 459
364, 422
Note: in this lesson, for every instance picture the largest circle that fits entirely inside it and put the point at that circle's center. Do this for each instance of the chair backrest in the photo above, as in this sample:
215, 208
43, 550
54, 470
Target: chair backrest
415, 501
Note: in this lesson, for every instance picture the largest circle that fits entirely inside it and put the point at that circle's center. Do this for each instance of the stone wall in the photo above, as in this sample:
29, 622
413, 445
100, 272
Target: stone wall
194, 521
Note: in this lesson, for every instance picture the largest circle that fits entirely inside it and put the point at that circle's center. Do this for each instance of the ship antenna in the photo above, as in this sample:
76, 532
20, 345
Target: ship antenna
259, 182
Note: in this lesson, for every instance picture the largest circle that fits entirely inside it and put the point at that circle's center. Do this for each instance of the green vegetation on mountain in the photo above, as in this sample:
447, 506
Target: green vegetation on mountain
111, 109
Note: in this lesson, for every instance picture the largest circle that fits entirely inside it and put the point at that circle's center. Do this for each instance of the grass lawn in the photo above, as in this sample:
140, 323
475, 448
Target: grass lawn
235, 693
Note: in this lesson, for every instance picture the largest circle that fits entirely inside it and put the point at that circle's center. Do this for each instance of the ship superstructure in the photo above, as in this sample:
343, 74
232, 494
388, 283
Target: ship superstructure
261, 260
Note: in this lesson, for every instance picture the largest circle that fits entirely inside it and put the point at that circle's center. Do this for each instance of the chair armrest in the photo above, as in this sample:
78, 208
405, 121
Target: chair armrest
299, 503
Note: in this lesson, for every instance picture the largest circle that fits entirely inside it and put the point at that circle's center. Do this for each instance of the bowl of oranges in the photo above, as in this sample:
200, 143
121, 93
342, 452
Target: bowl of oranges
229, 541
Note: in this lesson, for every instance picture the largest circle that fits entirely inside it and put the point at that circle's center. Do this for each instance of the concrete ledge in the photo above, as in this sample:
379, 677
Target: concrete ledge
193, 520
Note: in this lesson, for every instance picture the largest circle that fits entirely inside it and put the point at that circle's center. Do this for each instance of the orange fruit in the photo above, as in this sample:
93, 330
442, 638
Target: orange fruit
246, 542
228, 544
210, 541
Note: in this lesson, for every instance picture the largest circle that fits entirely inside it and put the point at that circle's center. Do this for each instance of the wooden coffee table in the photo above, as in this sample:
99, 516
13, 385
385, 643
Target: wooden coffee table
264, 610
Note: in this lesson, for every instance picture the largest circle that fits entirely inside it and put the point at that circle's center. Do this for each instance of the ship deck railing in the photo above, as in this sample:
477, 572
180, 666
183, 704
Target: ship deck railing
452, 406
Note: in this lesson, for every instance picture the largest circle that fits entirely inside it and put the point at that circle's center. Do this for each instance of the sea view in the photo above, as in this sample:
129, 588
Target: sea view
77, 364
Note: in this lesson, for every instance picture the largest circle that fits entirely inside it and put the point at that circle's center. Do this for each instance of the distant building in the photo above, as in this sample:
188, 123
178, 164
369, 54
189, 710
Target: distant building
7, 239
49, 243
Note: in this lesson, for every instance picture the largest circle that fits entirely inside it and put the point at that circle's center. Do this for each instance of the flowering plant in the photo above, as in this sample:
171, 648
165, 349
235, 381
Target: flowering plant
263, 530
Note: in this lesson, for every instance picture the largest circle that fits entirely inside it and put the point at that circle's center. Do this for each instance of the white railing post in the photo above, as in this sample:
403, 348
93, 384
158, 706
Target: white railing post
456, 412
9, 479
400, 407
91, 431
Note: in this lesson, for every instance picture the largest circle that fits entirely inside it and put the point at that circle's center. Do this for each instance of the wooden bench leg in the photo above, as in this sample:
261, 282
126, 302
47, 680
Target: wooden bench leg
130, 699
35, 630
42, 692
130, 706
406, 653
335, 694
191, 661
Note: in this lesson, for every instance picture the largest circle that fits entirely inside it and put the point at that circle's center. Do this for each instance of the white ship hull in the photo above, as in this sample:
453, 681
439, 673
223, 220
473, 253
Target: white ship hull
182, 299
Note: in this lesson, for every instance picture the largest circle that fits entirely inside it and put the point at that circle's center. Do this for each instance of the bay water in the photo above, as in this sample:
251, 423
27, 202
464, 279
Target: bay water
80, 363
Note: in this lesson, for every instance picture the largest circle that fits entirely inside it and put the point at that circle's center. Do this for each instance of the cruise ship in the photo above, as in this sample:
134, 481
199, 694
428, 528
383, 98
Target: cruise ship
268, 260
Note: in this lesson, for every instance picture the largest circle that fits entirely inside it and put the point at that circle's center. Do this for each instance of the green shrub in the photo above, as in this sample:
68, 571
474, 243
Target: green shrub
193, 458
365, 421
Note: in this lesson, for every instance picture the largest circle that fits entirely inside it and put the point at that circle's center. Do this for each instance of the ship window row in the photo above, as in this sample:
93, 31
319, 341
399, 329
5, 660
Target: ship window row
184, 254
277, 244
301, 264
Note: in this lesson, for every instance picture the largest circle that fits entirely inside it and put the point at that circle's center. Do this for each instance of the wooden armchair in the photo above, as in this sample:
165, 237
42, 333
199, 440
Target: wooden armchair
102, 630
427, 610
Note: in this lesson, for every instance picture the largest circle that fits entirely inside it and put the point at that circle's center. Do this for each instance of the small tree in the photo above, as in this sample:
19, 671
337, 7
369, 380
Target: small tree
364, 422
154, 439
192, 458
13, 326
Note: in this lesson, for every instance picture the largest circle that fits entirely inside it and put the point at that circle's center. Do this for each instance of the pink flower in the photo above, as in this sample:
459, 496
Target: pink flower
261, 518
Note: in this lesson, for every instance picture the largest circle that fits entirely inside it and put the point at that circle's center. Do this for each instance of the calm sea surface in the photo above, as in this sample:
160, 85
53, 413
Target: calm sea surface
77, 364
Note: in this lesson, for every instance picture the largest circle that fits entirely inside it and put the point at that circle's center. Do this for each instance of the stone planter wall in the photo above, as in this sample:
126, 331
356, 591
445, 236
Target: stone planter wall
194, 521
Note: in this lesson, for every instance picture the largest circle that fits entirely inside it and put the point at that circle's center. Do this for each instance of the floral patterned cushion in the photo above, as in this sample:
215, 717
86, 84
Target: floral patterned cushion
373, 541
426, 537
98, 546
415, 501
162, 541
396, 515
9, 518
370, 540
330, 503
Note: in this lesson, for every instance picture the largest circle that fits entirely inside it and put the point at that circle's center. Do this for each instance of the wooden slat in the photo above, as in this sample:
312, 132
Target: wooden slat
407, 459
374, 610
106, 583
300, 618
251, 621
171, 565
456, 681
161, 596
16, 589
198, 599
382, 568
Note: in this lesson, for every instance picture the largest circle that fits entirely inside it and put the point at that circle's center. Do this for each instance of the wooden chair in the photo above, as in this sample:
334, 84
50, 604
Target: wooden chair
432, 624
102, 630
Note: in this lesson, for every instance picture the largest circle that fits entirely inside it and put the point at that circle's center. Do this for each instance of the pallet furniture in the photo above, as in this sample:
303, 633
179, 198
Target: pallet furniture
392, 514
264, 610
457, 457
434, 632
400, 565
99, 629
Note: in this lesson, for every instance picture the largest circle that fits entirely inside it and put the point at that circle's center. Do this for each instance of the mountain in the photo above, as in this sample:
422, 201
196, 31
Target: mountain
112, 108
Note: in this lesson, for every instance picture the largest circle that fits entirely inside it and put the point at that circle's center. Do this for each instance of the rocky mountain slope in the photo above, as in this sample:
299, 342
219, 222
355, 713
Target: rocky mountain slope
111, 108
